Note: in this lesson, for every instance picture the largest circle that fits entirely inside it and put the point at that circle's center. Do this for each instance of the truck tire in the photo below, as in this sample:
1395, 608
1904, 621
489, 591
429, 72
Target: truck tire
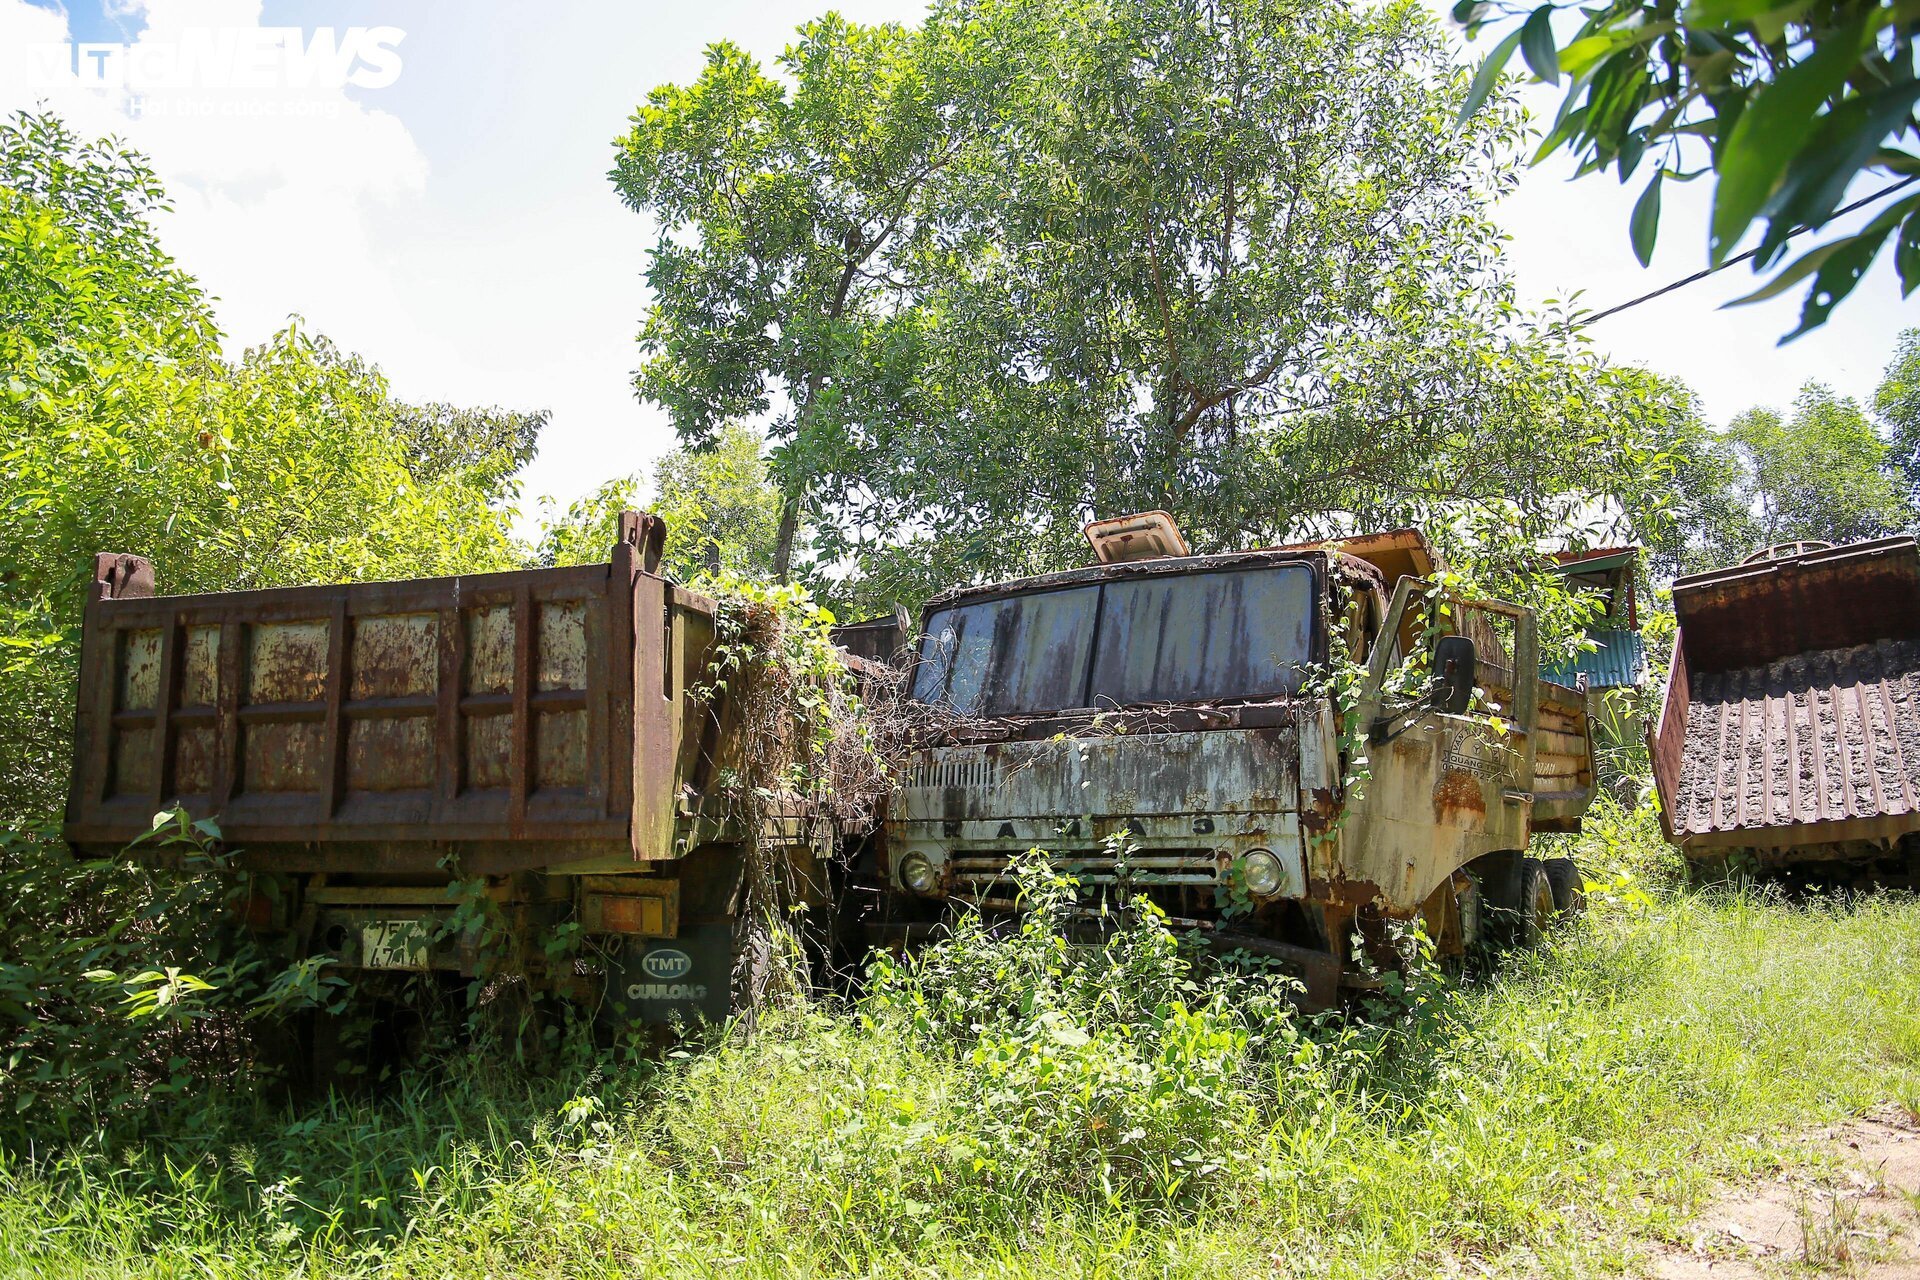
1536, 904
1569, 886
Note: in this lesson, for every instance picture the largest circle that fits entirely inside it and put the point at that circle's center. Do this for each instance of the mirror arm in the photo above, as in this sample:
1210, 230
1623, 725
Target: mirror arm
1387, 728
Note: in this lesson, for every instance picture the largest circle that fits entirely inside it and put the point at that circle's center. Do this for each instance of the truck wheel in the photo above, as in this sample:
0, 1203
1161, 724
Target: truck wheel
1569, 886
1536, 903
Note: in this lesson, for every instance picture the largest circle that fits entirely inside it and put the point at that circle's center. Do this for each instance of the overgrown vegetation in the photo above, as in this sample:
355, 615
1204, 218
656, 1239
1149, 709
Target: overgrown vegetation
1004, 1101
124, 428
1009, 1105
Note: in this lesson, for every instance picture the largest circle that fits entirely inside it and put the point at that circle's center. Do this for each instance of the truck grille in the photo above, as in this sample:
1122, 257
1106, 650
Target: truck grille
972, 772
987, 874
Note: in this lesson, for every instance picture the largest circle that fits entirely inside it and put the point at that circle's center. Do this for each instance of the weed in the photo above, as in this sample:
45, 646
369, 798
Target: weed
1035, 1099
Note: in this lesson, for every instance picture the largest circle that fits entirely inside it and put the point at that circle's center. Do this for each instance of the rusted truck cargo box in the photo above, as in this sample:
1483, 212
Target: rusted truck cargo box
1791, 722
381, 725
370, 751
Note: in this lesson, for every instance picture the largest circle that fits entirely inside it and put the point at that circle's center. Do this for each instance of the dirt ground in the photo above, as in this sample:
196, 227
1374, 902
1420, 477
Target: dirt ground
1860, 1219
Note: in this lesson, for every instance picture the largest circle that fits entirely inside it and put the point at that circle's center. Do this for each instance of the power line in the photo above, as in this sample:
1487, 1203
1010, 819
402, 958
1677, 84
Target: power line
1735, 261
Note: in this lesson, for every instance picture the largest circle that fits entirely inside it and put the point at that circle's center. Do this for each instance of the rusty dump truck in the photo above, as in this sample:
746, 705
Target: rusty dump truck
1153, 720
531, 745
1789, 734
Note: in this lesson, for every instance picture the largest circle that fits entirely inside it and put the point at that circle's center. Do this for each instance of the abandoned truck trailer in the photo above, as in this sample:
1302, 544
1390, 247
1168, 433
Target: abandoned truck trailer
1789, 736
362, 746
1163, 698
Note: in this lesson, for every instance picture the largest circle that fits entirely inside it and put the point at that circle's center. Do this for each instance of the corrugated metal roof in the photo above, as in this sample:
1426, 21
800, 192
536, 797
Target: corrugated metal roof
1821, 737
1620, 662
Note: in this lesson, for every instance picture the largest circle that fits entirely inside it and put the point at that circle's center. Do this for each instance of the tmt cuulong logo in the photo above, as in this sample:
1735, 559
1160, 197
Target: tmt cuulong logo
221, 58
667, 967
664, 964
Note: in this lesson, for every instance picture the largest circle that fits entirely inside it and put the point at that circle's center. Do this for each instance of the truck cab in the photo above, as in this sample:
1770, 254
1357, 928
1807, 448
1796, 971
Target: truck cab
1173, 723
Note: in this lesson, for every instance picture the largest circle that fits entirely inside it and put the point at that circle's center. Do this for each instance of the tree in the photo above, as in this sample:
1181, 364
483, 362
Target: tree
441, 439
720, 504
1820, 474
787, 219
1708, 521
1897, 402
588, 528
1784, 101
722, 510
1250, 278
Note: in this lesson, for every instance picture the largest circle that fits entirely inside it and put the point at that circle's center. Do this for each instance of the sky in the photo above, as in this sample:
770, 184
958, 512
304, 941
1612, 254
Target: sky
443, 207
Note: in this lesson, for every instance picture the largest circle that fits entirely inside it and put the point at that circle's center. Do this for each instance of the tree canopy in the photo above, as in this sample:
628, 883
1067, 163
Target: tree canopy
1827, 469
987, 277
721, 509
1821, 472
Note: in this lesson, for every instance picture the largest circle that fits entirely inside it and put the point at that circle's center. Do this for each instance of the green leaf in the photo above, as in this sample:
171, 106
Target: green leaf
1836, 269
1645, 223
1770, 132
1720, 13
1577, 56
1846, 140
1632, 147
1800, 270
1838, 275
1536, 43
1488, 76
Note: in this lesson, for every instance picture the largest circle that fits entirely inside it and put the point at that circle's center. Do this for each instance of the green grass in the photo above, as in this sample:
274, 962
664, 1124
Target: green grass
1550, 1121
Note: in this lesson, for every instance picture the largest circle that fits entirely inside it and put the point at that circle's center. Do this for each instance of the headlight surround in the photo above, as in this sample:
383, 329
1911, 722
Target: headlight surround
917, 873
1262, 872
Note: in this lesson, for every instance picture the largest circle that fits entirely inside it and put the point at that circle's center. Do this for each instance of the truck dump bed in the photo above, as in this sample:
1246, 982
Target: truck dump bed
1792, 712
520, 720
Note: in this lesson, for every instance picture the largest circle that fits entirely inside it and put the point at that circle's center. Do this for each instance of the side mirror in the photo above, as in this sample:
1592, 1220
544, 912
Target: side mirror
1455, 664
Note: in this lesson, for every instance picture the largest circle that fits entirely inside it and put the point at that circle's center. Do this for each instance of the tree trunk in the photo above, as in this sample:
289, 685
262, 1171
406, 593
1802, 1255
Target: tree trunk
783, 542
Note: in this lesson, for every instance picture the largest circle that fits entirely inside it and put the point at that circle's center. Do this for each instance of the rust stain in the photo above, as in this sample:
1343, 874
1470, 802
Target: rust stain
288, 662
1340, 892
1458, 795
1319, 811
395, 656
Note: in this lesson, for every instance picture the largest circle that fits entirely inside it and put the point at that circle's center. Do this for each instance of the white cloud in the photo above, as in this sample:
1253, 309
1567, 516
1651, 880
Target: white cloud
271, 185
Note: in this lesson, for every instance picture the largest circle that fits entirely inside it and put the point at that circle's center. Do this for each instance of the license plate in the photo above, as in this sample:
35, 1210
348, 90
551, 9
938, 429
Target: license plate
393, 944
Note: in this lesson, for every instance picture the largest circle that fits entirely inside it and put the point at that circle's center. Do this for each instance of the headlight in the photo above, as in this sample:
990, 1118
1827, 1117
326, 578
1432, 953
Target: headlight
1262, 872
917, 873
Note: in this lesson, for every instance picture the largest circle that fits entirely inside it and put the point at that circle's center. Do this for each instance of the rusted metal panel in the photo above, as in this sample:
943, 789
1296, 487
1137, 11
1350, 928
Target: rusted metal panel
1790, 714
1667, 736
1393, 553
491, 712
1188, 804
881, 640
1240, 771
1835, 598
1781, 751
655, 702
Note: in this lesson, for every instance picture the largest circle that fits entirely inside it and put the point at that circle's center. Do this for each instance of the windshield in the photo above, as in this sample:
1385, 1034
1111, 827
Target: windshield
1222, 636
